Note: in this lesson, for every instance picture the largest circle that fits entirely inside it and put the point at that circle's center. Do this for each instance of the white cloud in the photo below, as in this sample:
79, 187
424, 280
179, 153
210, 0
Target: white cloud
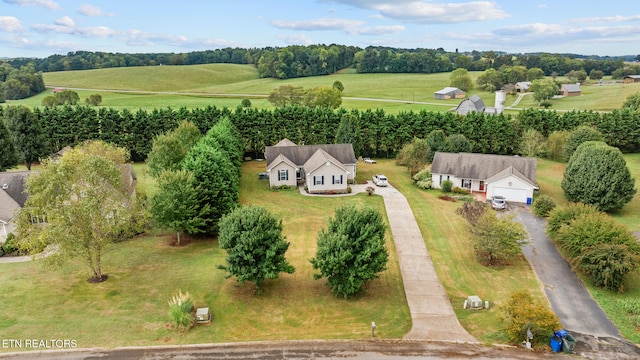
318, 24
377, 30
608, 19
429, 12
10, 24
297, 39
65, 21
141, 38
90, 10
47, 4
99, 31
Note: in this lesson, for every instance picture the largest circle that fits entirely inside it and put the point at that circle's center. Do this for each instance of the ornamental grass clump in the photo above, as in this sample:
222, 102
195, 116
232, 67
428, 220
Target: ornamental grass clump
181, 311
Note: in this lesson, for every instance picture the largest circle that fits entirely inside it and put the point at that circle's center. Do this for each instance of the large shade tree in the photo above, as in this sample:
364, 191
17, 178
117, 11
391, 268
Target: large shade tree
83, 200
351, 250
27, 133
597, 174
8, 155
169, 149
255, 245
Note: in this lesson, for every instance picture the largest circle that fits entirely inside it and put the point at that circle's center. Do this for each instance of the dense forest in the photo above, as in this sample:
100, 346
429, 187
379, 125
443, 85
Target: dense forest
378, 133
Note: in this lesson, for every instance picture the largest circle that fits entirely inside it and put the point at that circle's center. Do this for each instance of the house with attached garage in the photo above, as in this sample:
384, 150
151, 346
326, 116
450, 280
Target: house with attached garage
327, 168
487, 175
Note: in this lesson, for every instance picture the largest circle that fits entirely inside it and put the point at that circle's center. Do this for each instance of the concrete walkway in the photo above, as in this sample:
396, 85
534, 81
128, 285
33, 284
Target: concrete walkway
432, 316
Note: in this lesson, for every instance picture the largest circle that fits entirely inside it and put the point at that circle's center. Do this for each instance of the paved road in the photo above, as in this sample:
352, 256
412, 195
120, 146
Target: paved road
569, 299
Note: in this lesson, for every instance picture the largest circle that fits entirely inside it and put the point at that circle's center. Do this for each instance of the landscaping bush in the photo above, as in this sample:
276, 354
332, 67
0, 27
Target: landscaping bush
10, 246
564, 215
543, 205
446, 186
459, 190
181, 310
423, 179
521, 312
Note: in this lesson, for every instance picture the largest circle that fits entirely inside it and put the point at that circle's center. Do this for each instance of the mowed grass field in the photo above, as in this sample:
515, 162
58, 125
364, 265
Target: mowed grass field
130, 308
225, 85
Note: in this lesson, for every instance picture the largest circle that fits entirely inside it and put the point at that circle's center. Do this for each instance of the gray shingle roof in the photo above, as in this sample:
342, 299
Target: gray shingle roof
448, 90
318, 159
300, 154
13, 197
571, 87
482, 166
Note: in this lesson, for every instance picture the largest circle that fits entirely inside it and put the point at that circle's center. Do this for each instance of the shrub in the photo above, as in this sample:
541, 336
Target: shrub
422, 179
472, 211
370, 190
564, 215
546, 104
10, 245
543, 205
181, 310
446, 186
245, 103
459, 190
496, 240
521, 312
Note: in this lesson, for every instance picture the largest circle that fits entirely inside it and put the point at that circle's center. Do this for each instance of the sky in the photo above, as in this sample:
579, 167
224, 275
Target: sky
39, 28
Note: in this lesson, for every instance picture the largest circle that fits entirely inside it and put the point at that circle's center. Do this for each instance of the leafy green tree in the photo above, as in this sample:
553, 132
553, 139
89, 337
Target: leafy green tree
496, 239
437, 141
544, 89
49, 101
323, 97
555, 145
576, 75
596, 74
459, 143
219, 184
632, 101
286, 95
94, 99
532, 143
224, 136
461, 79
414, 155
8, 155
522, 313
246, 103
351, 250
579, 135
349, 132
534, 74
168, 150
27, 133
338, 85
490, 80
255, 245
68, 97
175, 205
85, 202
561, 216
473, 211
597, 174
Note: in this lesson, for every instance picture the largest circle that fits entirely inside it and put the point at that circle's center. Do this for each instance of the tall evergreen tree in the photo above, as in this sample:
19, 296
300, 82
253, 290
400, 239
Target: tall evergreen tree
8, 155
27, 133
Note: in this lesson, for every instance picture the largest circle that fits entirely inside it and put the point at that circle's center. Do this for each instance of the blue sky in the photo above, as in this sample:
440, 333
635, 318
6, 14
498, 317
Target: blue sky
39, 28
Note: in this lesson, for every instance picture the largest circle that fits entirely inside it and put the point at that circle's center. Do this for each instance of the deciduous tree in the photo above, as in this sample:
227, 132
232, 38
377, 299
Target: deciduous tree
544, 89
351, 250
597, 174
461, 79
84, 201
496, 239
255, 245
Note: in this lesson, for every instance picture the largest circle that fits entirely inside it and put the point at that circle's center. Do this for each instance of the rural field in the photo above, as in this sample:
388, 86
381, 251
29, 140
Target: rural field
225, 85
131, 307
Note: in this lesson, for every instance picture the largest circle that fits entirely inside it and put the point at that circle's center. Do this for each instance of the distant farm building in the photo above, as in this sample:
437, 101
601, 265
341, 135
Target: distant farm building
449, 93
571, 89
629, 79
475, 103
523, 86
57, 90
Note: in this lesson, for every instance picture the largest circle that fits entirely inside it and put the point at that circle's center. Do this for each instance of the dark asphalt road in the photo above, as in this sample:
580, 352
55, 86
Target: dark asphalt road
569, 299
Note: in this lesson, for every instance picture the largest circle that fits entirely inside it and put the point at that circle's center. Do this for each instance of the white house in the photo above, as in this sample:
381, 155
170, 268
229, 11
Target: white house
326, 168
513, 177
12, 199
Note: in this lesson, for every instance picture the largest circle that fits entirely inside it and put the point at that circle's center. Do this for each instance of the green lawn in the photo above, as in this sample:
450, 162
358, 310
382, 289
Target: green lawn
450, 247
130, 308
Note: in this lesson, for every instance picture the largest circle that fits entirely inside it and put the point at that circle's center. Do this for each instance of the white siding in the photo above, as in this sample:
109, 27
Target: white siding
6, 229
329, 171
273, 175
435, 180
512, 188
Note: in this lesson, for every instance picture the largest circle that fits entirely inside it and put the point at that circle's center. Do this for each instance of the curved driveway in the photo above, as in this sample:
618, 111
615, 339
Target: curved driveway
570, 300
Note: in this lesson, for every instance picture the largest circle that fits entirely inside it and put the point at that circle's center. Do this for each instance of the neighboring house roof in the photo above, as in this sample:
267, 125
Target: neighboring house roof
12, 194
299, 155
523, 85
318, 159
448, 90
632, 76
286, 142
483, 166
571, 87
280, 159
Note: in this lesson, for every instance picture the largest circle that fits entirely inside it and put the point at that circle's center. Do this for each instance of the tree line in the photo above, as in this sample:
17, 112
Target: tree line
377, 133
312, 60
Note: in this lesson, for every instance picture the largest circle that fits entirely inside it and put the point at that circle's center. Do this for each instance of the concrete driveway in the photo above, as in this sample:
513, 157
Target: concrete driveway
569, 299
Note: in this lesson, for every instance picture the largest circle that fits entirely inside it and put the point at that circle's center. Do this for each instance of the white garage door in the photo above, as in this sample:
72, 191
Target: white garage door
511, 194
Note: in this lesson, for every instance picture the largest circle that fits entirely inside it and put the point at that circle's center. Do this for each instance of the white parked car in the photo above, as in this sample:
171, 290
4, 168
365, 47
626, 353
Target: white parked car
380, 180
498, 202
